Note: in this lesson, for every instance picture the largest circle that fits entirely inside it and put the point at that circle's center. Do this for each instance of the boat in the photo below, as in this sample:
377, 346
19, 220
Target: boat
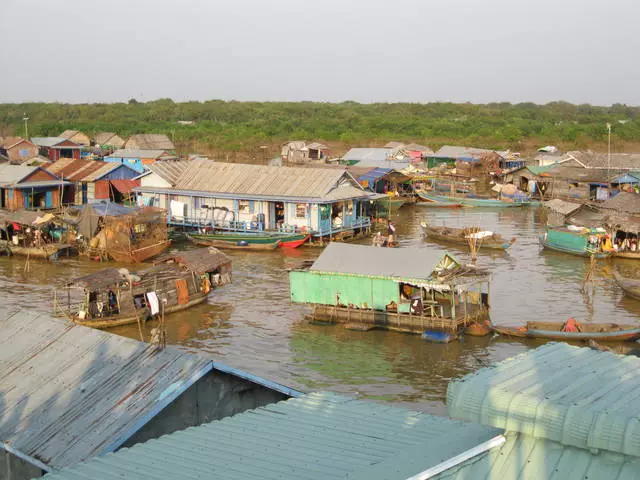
461, 236
206, 240
113, 297
472, 200
287, 240
612, 332
391, 202
630, 286
575, 241
48, 251
424, 201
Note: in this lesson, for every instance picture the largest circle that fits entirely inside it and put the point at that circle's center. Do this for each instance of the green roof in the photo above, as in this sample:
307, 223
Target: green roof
568, 412
537, 170
317, 436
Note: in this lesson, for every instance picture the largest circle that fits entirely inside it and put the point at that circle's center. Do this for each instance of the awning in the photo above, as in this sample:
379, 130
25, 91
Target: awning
125, 186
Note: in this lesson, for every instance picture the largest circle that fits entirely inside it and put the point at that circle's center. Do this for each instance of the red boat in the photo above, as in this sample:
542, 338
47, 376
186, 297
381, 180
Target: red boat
294, 241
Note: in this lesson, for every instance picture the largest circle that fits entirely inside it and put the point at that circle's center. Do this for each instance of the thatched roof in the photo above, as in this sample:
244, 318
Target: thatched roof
199, 261
623, 202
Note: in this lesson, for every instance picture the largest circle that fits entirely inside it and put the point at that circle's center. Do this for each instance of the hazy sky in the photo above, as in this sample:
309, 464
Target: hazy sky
582, 51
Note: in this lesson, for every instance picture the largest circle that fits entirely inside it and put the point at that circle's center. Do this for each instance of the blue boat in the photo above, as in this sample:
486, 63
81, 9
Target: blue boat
438, 337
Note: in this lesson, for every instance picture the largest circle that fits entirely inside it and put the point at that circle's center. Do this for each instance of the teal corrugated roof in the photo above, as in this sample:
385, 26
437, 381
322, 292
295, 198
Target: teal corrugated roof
317, 436
569, 412
537, 170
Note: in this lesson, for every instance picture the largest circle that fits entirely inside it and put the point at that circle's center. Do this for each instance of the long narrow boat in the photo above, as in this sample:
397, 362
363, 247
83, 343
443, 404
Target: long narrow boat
48, 251
612, 332
630, 286
287, 240
392, 203
475, 201
205, 240
137, 255
424, 201
460, 236
575, 242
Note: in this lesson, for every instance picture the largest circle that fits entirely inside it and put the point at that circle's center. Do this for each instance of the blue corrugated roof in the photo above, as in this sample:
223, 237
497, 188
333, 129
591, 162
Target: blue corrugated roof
374, 175
317, 436
569, 412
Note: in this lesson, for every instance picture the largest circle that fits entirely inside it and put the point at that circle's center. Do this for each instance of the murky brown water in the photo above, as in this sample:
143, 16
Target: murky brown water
251, 324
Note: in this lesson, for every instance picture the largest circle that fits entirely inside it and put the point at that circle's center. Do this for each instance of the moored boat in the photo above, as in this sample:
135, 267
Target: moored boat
49, 251
287, 240
630, 286
586, 331
113, 297
461, 236
425, 201
575, 241
206, 240
477, 201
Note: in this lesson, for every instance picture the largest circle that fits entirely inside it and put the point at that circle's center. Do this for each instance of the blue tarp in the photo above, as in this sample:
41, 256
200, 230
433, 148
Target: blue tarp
373, 176
102, 209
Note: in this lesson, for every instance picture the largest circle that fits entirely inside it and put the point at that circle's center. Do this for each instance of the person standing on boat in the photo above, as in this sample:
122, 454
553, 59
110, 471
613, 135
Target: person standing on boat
391, 232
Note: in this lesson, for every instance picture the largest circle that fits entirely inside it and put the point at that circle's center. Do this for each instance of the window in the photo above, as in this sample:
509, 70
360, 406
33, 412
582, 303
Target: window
301, 210
243, 206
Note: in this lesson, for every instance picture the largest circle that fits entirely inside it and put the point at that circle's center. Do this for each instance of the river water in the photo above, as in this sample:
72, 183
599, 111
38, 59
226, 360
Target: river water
252, 325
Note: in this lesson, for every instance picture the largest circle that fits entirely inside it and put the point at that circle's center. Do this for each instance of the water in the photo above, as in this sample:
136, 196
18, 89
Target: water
251, 324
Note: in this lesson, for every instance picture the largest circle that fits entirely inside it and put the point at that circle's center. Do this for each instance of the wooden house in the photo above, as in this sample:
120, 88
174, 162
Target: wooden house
323, 201
137, 159
77, 137
406, 289
55, 148
94, 180
108, 140
29, 187
150, 141
301, 152
17, 149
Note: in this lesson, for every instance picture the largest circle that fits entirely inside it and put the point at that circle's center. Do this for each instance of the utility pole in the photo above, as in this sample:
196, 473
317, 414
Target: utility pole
609, 157
26, 126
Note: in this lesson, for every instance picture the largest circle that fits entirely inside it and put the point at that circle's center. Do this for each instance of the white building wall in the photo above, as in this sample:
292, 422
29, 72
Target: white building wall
291, 218
154, 180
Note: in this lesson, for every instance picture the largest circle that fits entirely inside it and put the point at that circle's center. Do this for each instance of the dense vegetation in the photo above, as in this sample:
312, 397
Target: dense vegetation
245, 126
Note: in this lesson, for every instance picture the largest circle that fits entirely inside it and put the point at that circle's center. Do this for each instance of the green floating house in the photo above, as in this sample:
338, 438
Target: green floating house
406, 289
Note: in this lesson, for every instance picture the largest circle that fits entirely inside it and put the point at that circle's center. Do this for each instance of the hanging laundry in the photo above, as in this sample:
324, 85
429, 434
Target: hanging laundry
183, 291
177, 208
154, 305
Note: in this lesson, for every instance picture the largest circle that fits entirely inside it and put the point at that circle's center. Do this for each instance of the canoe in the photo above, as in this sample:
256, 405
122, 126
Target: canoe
239, 245
469, 201
564, 240
630, 286
426, 202
457, 235
612, 332
287, 240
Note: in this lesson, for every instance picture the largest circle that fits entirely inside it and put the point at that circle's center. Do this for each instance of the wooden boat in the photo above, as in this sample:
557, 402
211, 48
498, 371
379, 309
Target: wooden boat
113, 297
612, 332
583, 243
630, 286
426, 202
48, 251
459, 236
391, 203
287, 240
476, 201
137, 255
205, 240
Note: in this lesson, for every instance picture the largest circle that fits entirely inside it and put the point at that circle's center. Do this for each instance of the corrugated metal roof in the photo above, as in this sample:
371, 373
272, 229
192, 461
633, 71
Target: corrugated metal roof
449, 151
47, 141
360, 154
576, 396
150, 141
281, 182
10, 174
591, 159
69, 393
81, 170
109, 138
170, 171
138, 153
623, 202
317, 436
561, 206
410, 263
569, 412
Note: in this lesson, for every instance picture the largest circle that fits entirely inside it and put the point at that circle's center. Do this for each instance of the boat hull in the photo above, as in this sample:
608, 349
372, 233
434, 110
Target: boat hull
605, 332
476, 202
457, 237
139, 255
230, 245
630, 287
48, 252
564, 249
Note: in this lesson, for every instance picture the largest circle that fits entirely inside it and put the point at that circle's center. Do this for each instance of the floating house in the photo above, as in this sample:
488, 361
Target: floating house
566, 412
377, 158
76, 136
382, 180
55, 148
69, 393
405, 289
138, 159
319, 436
470, 162
300, 152
149, 141
204, 193
108, 140
29, 187
17, 149
94, 180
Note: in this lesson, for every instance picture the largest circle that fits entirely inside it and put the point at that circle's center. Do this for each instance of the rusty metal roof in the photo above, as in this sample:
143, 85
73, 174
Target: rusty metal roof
68, 393
81, 170
199, 260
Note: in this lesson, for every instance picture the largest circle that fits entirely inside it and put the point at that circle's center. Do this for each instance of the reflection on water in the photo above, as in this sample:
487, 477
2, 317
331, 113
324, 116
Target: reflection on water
252, 325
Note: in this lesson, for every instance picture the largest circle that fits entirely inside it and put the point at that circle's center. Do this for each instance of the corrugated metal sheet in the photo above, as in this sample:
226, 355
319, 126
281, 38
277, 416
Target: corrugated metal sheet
243, 179
318, 436
561, 206
415, 263
575, 396
169, 171
68, 393
10, 174
463, 153
81, 170
360, 154
109, 138
138, 153
569, 412
47, 141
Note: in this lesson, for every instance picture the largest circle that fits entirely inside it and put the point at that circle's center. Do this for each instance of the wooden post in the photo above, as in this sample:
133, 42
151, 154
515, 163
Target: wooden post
453, 304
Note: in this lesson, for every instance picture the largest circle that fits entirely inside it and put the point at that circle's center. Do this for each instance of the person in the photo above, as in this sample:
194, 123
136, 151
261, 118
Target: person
377, 240
571, 325
391, 231
633, 245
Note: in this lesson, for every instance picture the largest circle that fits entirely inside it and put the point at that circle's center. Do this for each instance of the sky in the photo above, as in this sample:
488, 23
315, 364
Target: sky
90, 51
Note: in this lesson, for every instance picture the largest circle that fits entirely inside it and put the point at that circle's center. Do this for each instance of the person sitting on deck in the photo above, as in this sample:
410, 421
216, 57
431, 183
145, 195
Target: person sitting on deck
571, 325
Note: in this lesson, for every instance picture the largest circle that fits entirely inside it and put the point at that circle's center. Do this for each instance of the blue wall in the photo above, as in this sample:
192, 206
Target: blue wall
123, 172
131, 162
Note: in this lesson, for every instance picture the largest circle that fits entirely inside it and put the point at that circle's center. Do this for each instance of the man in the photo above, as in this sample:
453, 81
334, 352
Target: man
391, 231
